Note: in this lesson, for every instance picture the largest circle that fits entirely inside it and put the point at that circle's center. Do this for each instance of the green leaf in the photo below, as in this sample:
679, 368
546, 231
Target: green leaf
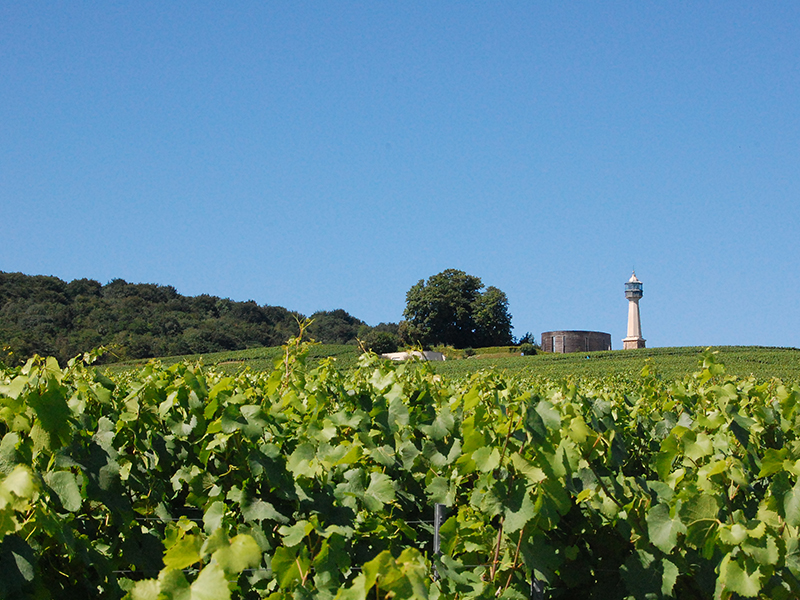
439, 490
290, 565
259, 510
243, 553
300, 461
647, 577
380, 491
65, 485
578, 430
20, 482
183, 553
764, 551
791, 505
699, 514
699, 447
296, 533
52, 415
486, 459
744, 579
211, 584
517, 519
471, 398
147, 589
533, 473
551, 418
663, 529
733, 534
213, 516
772, 461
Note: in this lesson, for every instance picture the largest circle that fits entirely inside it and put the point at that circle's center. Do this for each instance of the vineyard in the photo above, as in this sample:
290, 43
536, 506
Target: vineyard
382, 480
673, 363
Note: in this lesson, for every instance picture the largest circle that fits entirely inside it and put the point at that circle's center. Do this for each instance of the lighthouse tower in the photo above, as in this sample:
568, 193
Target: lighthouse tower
633, 292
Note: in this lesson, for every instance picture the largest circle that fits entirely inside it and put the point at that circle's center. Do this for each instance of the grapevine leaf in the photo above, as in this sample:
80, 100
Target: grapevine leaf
380, 491
740, 428
471, 398
8, 452
183, 553
290, 566
793, 556
439, 490
300, 461
516, 519
174, 585
147, 589
398, 410
66, 487
744, 579
578, 430
791, 505
442, 426
663, 529
533, 473
764, 551
212, 518
381, 381
14, 389
486, 459
296, 533
242, 553
535, 424
733, 534
646, 577
52, 413
699, 447
549, 415
772, 461
20, 482
699, 514
260, 510
211, 584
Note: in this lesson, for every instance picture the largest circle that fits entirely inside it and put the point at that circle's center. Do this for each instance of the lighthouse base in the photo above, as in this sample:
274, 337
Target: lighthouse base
632, 343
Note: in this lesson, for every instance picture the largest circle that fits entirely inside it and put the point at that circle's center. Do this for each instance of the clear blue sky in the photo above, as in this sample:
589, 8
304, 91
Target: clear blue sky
330, 155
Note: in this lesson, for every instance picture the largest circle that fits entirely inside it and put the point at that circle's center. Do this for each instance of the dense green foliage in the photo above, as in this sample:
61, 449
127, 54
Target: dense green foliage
449, 308
47, 316
310, 482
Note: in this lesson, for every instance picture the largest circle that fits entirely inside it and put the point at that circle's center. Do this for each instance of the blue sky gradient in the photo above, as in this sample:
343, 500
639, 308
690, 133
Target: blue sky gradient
330, 155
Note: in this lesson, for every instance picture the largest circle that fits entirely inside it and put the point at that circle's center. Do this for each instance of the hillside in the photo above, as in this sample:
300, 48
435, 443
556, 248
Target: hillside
50, 317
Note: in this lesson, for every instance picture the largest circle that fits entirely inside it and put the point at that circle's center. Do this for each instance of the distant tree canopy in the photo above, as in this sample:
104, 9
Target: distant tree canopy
47, 316
450, 308
334, 327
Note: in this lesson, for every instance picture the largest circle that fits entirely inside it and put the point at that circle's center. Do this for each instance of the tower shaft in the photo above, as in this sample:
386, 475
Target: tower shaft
634, 338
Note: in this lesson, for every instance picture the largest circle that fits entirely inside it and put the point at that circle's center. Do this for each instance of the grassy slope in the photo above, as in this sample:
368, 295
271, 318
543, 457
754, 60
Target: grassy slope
763, 363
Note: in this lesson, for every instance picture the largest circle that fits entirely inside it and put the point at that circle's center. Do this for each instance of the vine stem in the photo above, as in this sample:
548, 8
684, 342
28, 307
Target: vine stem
508, 437
603, 485
493, 570
514, 563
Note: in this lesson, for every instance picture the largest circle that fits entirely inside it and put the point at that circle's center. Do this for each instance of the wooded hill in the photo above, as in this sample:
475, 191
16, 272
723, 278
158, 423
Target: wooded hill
47, 316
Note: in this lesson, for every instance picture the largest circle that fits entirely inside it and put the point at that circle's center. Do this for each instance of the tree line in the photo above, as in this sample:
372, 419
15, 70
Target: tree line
47, 316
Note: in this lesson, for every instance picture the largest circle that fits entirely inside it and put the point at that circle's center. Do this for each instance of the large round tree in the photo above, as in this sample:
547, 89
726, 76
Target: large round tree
450, 308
